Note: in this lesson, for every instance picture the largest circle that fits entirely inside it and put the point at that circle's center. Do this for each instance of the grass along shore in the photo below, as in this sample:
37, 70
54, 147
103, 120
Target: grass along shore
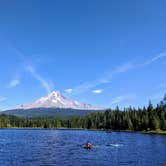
158, 131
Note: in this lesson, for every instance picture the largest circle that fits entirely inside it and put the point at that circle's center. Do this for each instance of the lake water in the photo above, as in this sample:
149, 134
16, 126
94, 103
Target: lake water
64, 147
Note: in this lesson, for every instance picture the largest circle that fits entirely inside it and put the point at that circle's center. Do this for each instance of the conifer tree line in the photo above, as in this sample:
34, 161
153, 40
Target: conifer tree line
132, 119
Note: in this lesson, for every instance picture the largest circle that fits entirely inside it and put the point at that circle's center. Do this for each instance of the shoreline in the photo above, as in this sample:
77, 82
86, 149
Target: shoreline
158, 132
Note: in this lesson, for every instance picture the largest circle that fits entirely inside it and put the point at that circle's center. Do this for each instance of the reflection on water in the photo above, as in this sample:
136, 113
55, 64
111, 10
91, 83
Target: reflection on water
64, 147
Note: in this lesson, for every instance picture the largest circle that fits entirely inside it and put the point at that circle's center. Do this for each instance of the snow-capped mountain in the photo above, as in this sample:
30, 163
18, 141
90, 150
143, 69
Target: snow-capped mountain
56, 100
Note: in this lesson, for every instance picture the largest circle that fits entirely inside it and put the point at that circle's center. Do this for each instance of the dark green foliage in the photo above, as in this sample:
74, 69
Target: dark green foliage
132, 119
58, 112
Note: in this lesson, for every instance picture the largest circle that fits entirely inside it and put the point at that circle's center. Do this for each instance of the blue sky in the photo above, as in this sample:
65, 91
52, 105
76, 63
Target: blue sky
105, 53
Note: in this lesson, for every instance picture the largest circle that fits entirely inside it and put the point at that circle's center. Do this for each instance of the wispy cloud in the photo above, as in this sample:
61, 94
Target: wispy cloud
68, 90
97, 91
89, 85
2, 99
122, 98
124, 68
13, 83
153, 59
105, 79
26, 63
118, 70
117, 100
84, 87
47, 86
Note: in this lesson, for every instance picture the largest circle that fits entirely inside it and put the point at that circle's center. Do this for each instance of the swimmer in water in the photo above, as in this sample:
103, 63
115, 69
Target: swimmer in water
87, 145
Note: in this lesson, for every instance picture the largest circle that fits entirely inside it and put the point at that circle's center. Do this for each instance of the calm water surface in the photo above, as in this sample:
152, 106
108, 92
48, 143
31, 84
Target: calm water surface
64, 147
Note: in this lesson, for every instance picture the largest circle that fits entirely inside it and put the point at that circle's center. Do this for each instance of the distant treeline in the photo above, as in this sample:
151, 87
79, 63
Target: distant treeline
141, 119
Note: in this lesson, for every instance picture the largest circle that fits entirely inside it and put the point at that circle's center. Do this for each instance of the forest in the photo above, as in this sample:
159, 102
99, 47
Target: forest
130, 119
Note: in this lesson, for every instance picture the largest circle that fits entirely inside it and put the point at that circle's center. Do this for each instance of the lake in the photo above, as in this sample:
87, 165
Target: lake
64, 147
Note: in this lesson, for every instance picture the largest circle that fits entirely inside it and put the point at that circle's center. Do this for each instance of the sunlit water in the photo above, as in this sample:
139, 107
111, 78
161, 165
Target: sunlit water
64, 147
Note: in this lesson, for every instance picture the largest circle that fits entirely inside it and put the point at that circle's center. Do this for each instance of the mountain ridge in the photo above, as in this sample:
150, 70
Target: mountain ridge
56, 100
54, 104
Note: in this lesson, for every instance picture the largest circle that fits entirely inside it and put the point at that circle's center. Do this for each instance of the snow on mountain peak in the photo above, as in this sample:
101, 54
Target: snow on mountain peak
56, 100
54, 94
